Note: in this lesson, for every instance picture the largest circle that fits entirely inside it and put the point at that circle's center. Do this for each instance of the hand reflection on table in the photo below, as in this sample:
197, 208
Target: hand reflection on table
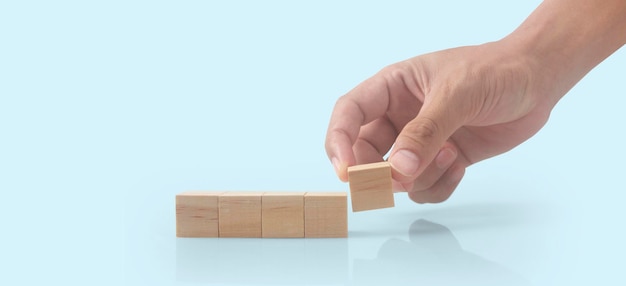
432, 256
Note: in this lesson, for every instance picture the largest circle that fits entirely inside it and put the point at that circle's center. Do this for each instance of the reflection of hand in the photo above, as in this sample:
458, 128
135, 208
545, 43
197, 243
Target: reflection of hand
447, 110
433, 255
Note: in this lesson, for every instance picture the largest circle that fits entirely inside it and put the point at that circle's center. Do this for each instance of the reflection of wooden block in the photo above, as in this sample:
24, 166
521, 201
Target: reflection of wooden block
326, 214
240, 214
370, 186
196, 214
283, 214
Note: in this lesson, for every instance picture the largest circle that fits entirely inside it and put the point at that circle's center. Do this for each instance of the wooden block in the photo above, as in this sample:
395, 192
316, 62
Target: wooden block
240, 214
196, 214
370, 186
283, 214
326, 214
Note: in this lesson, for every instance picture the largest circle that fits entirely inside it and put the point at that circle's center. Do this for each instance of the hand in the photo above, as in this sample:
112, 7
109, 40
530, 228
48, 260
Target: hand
441, 112
444, 111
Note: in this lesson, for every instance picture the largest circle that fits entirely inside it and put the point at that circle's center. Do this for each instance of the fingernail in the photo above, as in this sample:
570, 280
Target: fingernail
445, 158
405, 162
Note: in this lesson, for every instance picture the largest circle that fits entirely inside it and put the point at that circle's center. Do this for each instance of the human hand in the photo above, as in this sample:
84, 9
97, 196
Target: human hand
441, 112
446, 110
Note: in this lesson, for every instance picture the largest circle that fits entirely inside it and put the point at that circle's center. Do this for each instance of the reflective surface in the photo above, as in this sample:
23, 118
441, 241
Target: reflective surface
432, 254
521, 236
109, 109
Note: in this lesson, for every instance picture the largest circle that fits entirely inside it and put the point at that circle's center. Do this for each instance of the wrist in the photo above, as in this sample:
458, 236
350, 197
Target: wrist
562, 40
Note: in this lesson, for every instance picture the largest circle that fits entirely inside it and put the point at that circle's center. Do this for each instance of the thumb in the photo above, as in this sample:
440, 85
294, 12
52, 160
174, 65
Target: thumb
421, 139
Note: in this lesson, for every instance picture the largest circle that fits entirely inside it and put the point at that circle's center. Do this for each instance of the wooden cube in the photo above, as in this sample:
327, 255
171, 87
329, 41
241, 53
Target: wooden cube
240, 214
325, 214
370, 186
283, 214
197, 214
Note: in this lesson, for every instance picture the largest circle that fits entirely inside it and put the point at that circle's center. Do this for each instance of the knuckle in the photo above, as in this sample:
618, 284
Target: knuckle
426, 128
393, 70
342, 101
395, 73
421, 132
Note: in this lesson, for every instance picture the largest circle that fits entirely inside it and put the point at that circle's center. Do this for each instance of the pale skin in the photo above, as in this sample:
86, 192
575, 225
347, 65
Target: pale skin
444, 111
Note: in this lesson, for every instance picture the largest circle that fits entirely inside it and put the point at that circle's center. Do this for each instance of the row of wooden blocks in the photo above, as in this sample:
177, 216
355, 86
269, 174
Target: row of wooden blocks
281, 214
261, 214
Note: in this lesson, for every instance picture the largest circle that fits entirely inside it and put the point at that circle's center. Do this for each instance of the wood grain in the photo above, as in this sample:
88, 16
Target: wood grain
370, 186
197, 214
240, 214
325, 214
283, 214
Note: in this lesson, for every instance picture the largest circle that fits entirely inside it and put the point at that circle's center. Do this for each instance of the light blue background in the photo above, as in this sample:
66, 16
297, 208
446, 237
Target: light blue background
110, 108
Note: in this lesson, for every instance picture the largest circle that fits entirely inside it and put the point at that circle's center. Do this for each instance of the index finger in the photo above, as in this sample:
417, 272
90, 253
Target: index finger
363, 104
